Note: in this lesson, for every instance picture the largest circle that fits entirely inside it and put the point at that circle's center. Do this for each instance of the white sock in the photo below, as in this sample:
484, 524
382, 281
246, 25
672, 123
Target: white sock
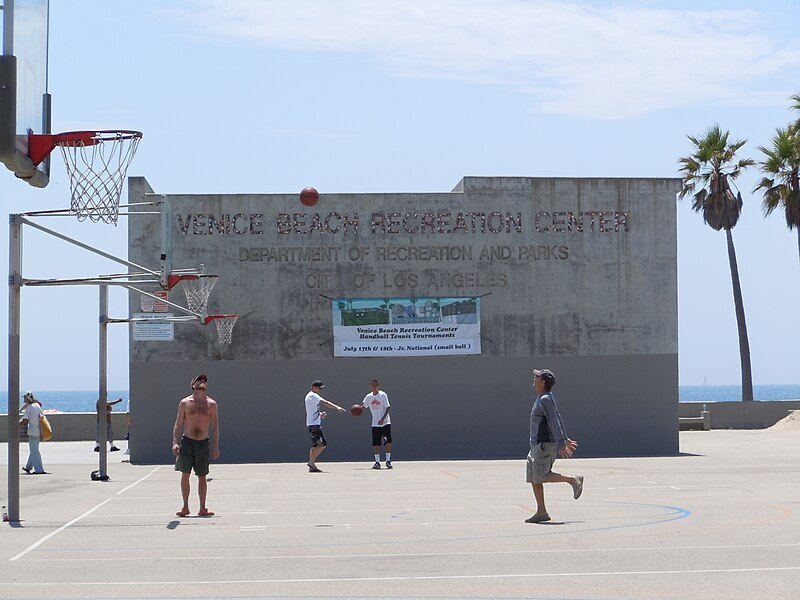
388, 457
377, 458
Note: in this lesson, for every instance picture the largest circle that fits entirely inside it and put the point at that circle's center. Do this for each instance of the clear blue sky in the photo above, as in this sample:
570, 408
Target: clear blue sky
374, 96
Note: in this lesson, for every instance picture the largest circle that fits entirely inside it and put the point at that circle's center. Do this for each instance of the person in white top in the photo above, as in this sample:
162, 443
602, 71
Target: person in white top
30, 419
314, 418
377, 401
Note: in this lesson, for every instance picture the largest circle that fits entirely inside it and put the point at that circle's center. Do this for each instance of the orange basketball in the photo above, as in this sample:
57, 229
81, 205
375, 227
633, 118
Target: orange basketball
309, 196
356, 409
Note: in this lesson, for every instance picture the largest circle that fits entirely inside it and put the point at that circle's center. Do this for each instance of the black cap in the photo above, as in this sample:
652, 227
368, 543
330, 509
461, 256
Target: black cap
545, 374
202, 377
318, 384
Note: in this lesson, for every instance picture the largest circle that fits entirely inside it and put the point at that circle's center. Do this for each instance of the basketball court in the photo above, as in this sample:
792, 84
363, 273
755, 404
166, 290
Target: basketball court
719, 521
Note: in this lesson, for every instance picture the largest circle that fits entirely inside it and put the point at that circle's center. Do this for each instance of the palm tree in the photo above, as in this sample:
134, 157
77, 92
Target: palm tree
796, 106
707, 174
781, 181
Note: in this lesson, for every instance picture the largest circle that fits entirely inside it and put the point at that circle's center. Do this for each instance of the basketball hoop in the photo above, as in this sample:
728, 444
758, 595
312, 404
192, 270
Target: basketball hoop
225, 325
197, 289
97, 162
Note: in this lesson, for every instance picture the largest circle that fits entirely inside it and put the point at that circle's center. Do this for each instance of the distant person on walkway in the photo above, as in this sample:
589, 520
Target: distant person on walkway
197, 418
30, 420
377, 401
24, 406
109, 428
128, 432
548, 438
314, 418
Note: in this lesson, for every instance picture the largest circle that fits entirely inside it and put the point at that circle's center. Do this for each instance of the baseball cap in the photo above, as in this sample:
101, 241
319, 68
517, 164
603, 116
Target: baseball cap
545, 374
318, 384
202, 377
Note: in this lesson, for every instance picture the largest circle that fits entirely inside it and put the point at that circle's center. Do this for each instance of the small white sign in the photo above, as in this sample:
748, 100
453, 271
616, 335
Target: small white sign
143, 331
150, 305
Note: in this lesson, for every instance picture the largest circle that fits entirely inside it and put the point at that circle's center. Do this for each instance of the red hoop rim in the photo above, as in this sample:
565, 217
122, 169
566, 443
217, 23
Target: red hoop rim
174, 280
40, 145
210, 318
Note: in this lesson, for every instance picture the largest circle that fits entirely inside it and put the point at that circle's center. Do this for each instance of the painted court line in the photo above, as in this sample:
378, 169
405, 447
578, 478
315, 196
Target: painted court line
95, 583
354, 556
57, 531
135, 483
35, 545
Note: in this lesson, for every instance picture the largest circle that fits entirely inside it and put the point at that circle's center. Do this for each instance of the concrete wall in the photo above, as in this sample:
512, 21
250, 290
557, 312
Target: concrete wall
349, 434
741, 415
594, 298
74, 427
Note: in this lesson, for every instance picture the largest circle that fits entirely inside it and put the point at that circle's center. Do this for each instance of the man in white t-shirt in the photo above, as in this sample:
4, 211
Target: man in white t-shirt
30, 419
314, 418
378, 403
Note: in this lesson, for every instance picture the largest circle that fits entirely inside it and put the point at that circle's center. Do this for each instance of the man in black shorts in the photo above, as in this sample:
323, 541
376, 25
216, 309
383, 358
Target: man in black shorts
377, 401
197, 417
314, 418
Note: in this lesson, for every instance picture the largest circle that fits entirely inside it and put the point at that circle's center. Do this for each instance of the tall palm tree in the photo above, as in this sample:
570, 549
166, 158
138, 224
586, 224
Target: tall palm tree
707, 174
781, 181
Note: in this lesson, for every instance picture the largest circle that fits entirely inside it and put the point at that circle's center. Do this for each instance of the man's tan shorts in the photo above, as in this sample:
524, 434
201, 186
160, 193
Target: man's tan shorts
540, 462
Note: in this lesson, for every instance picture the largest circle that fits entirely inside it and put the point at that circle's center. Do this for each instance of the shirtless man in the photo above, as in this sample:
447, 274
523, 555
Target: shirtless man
197, 414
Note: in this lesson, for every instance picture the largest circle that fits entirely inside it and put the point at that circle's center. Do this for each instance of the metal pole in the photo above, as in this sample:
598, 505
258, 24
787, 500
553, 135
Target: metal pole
8, 28
14, 297
166, 240
102, 409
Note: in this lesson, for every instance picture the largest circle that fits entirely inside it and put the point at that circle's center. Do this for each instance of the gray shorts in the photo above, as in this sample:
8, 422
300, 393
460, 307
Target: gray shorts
194, 454
540, 462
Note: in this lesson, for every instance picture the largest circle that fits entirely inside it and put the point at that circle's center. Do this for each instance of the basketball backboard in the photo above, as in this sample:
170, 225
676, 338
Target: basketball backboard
24, 99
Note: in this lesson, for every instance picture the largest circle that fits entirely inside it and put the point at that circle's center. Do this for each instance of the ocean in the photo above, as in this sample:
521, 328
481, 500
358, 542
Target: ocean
81, 401
84, 401
733, 393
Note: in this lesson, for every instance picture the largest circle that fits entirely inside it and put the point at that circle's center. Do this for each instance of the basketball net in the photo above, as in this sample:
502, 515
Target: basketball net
197, 289
97, 166
225, 325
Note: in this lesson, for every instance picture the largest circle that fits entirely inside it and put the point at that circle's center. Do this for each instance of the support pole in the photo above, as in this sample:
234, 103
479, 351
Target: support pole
14, 297
166, 240
102, 401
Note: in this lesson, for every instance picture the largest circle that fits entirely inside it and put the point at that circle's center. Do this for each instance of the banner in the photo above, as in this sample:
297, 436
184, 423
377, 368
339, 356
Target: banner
406, 326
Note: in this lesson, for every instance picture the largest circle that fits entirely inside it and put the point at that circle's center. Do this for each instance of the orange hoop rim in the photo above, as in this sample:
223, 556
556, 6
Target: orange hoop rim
40, 145
174, 280
210, 318
91, 137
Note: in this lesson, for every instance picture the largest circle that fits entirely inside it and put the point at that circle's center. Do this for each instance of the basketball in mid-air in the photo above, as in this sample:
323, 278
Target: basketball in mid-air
356, 409
309, 196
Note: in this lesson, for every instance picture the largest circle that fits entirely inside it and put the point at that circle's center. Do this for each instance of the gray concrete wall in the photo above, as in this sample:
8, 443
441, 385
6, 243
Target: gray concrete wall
575, 274
74, 427
741, 415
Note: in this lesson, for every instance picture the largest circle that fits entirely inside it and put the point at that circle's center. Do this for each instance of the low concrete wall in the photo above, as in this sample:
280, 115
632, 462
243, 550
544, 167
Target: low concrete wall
74, 427
71, 427
741, 415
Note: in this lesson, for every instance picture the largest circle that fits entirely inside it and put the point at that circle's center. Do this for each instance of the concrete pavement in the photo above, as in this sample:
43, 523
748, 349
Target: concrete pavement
720, 521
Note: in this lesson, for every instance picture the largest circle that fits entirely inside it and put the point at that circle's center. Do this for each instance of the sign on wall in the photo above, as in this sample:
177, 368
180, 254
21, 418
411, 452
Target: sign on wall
406, 326
145, 331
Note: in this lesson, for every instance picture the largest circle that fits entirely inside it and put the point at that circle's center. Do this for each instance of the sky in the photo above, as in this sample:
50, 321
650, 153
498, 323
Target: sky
263, 96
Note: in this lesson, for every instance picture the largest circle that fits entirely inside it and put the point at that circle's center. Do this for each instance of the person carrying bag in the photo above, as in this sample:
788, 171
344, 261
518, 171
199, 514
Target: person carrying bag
33, 418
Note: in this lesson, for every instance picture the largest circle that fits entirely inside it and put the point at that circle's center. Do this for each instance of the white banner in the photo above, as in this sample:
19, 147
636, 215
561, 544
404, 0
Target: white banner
406, 326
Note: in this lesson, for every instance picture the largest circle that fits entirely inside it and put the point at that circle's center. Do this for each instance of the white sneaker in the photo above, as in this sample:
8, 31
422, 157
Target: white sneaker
577, 487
